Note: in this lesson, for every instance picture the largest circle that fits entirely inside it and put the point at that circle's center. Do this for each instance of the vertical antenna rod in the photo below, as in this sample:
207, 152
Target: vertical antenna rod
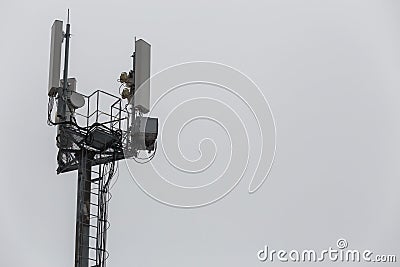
62, 108
67, 36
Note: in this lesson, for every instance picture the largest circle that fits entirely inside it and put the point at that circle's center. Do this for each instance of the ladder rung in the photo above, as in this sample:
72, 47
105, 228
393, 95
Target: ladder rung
91, 259
90, 236
90, 225
86, 191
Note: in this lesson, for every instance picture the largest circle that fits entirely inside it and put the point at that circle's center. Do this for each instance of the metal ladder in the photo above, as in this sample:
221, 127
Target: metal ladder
92, 214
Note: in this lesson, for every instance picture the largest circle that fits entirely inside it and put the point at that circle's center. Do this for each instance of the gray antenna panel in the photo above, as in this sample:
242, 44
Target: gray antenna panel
142, 74
57, 37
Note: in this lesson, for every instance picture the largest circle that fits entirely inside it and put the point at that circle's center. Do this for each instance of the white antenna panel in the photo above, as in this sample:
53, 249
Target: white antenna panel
57, 37
142, 74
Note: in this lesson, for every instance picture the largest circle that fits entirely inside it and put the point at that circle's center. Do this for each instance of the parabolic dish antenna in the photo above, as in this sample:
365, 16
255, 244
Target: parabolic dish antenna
77, 100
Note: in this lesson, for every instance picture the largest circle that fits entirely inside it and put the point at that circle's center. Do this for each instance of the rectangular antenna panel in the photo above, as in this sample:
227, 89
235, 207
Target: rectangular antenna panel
57, 37
142, 74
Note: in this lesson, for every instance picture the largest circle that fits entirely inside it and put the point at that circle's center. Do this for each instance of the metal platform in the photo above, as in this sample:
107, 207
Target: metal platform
103, 133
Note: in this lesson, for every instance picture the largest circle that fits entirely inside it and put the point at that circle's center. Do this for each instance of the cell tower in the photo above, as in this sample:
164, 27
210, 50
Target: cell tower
94, 132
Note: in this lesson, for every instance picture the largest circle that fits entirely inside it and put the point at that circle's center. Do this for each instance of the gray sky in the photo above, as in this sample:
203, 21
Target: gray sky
329, 70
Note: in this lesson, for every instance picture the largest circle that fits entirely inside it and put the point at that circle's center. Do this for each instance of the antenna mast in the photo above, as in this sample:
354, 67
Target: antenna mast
93, 143
66, 56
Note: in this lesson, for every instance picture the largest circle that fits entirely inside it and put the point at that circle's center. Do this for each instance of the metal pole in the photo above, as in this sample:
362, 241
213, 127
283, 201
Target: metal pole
65, 74
82, 233
67, 36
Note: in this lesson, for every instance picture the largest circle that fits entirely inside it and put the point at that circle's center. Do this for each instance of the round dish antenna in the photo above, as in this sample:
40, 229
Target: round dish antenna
77, 100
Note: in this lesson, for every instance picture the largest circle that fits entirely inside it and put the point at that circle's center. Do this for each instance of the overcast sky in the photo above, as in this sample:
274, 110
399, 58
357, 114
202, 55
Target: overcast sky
330, 72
